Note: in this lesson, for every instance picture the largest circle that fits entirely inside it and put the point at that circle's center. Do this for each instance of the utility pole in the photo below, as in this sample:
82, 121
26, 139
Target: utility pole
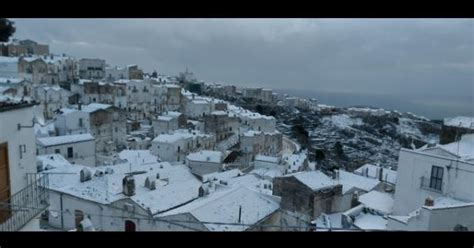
240, 213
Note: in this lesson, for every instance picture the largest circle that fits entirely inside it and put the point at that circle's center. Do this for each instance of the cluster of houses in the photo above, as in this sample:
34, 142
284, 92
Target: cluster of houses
124, 150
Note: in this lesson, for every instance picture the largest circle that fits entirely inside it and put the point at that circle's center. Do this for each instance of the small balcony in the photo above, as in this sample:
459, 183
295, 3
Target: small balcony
25, 204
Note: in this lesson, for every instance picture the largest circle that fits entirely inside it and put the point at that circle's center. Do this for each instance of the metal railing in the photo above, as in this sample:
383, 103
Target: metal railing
27, 203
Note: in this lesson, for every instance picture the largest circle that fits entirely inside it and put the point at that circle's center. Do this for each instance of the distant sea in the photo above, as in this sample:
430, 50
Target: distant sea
430, 106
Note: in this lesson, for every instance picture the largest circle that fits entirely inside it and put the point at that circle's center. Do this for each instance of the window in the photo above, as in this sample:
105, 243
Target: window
116, 129
81, 124
436, 179
70, 153
57, 151
179, 148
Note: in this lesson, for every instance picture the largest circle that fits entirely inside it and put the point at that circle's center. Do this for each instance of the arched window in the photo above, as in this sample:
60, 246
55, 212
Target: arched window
130, 226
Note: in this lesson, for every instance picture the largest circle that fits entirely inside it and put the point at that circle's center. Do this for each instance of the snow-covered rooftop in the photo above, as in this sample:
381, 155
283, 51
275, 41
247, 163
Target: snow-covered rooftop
219, 112
460, 121
4, 80
51, 161
463, 149
206, 156
225, 175
44, 131
94, 107
164, 118
378, 201
353, 181
368, 221
314, 179
175, 185
66, 139
327, 221
138, 156
179, 135
223, 207
267, 172
448, 202
268, 159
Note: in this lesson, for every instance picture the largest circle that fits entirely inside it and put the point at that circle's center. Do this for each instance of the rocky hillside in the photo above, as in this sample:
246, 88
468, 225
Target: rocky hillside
350, 137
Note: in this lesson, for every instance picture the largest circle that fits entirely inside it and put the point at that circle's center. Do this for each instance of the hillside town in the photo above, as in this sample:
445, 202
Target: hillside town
90, 146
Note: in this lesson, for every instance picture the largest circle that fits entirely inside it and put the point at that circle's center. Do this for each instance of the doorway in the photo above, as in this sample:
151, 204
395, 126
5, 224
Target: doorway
5, 192
130, 226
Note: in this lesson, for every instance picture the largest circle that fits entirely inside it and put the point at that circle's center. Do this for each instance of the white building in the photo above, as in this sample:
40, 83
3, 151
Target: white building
113, 200
76, 148
266, 143
17, 153
434, 189
267, 95
115, 73
16, 87
377, 172
51, 98
198, 108
166, 123
17, 143
254, 211
175, 146
205, 162
72, 121
442, 170
91, 68
257, 122
370, 214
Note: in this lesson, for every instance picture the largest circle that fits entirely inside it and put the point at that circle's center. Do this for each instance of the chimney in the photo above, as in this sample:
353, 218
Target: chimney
150, 183
85, 175
366, 172
429, 202
380, 174
128, 186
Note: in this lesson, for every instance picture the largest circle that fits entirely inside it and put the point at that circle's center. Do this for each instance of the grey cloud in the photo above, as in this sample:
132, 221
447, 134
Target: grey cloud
385, 56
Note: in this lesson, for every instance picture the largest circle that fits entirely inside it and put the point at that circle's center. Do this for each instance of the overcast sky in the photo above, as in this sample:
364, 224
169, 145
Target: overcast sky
379, 56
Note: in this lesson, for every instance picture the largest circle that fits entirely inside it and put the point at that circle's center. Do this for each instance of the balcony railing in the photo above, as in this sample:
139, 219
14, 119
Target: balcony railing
27, 203
425, 184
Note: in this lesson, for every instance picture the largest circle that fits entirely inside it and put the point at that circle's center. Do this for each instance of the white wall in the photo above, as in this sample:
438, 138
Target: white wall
10, 134
197, 109
83, 152
69, 123
111, 217
457, 183
204, 167
441, 219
